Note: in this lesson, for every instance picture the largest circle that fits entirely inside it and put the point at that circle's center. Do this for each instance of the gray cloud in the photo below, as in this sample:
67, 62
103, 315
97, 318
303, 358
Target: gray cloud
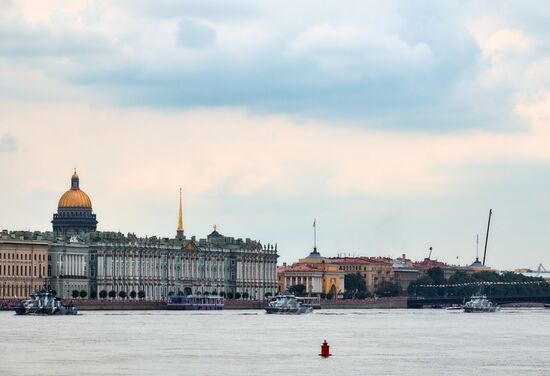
7, 144
397, 66
192, 34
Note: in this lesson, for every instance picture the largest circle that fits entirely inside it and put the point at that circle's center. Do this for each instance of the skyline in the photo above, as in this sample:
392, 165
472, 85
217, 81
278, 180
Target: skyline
396, 126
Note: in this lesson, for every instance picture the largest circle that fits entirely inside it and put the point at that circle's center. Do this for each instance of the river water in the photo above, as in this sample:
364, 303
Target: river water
363, 342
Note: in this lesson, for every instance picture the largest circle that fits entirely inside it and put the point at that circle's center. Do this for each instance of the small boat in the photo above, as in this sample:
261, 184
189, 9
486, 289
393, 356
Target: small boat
287, 304
195, 302
480, 303
547, 306
44, 303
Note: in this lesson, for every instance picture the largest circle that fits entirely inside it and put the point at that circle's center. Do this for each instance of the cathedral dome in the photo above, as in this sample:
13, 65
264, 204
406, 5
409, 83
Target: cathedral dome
74, 197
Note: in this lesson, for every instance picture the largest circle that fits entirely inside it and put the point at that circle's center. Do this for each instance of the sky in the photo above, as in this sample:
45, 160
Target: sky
396, 124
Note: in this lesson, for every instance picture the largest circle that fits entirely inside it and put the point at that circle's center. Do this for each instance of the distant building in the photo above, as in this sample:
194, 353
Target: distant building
427, 264
160, 267
69, 267
74, 211
541, 272
76, 257
23, 265
404, 272
316, 273
374, 270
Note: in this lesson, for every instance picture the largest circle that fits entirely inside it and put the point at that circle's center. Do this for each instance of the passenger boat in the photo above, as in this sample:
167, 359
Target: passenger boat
547, 306
480, 303
195, 302
287, 304
44, 303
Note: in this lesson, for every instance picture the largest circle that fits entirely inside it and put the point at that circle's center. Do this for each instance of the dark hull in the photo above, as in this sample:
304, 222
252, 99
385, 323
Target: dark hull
283, 311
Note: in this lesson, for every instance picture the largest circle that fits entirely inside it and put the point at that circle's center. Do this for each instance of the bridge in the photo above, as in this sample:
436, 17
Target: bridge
420, 302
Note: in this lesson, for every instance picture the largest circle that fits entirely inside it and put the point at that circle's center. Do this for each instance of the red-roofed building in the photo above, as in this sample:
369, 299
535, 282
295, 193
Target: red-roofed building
315, 272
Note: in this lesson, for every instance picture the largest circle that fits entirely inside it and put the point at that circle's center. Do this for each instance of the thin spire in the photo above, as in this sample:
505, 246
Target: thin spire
179, 234
314, 234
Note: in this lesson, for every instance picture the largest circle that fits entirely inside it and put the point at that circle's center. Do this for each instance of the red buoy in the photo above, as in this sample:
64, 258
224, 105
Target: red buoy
325, 350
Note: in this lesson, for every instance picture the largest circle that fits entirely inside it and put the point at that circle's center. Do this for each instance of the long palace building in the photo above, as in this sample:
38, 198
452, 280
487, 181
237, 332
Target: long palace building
74, 257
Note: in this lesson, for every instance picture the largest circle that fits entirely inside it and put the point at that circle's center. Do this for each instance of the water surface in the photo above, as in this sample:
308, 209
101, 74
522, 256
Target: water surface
363, 342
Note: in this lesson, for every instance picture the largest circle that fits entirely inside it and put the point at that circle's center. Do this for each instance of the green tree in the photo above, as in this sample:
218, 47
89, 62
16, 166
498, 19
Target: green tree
133, 294
75, 293
83, 293
416, 289
112, 294
230, 295
122, 294
355, 284
387, 288
141, 294
267, 295
245, 295
222, 294
298, 290
237, 295
103, 294
460, 278
437, 275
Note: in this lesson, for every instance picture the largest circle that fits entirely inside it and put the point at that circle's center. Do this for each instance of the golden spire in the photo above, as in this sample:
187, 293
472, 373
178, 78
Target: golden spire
179, 234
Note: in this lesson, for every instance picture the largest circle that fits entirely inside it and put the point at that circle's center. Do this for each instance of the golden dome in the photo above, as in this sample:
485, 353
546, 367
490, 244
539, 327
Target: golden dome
74, 198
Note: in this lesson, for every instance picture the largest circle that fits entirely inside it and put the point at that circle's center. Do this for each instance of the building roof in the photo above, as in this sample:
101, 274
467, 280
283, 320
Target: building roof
302, 268
75, 197
477, 264
428, 264
360, 260
314, 255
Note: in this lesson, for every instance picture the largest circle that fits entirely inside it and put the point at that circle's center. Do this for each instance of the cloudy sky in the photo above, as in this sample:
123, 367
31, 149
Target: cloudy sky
396, 124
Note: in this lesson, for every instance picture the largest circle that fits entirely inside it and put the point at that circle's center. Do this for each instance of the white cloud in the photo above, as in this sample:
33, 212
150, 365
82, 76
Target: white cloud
339, 48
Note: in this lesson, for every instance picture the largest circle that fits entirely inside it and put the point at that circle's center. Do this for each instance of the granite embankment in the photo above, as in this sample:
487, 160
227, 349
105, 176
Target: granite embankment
115, 305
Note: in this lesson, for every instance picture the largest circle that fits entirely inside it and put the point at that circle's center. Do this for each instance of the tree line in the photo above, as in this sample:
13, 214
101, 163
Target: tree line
434, 284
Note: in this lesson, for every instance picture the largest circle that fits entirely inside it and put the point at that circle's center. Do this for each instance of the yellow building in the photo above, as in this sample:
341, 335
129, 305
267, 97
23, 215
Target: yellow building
374, 270
315, 273
23, 266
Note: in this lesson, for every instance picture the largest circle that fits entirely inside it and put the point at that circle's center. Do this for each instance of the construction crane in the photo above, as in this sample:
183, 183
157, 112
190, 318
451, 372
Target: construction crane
487, 236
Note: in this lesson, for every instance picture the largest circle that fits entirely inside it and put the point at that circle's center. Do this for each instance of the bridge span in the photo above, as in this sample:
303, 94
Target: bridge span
419, 302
